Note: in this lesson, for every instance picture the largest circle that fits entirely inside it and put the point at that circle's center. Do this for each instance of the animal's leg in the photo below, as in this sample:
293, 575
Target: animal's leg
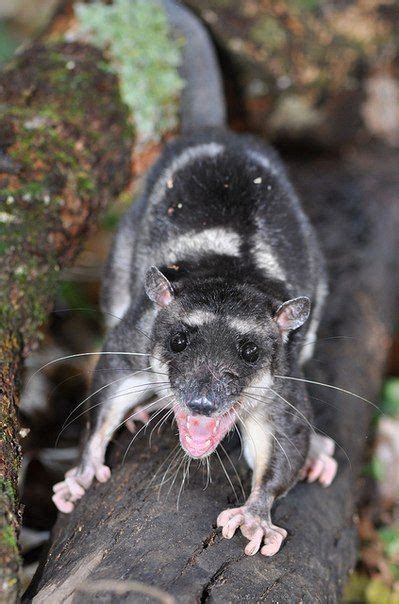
276, 467
320, 464
113, 405
121, 381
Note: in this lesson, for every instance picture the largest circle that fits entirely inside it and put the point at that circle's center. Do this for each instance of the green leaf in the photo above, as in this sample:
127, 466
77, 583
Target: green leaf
375, 469
355, 589
390, 397
389, 535
377, 592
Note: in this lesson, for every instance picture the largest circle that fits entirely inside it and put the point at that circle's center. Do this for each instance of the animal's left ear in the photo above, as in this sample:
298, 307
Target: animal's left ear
292, 314
158, 288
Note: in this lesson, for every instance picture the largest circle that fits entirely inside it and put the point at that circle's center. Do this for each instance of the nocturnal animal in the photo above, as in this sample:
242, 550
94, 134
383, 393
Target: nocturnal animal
215, 286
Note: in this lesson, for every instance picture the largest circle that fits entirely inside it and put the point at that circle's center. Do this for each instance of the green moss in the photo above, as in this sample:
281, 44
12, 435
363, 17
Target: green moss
6, 487
59, 144
390, 397
374, 469
8, 538
146, 60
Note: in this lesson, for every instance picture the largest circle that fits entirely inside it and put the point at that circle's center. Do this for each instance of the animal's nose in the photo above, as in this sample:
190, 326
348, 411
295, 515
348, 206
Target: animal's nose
201, 405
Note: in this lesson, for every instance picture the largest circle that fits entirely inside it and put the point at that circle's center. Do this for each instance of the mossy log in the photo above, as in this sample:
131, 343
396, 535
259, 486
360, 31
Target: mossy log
65, 152
324, 70
123, 543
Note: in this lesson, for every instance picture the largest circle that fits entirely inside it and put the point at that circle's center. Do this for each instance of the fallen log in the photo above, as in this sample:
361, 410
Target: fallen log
63, 157
127, 539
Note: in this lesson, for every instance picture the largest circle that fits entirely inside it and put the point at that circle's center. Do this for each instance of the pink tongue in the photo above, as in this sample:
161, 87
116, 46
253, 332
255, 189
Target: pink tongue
200, 427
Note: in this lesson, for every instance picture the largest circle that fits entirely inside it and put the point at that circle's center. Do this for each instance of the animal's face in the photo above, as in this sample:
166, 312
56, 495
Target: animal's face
215, 349
210, 363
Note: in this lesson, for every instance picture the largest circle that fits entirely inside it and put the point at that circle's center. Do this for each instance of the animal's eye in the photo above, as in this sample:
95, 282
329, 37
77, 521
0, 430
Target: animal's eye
179, 342
249, 352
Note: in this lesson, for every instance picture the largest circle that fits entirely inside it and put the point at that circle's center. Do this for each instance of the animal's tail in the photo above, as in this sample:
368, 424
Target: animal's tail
202, 101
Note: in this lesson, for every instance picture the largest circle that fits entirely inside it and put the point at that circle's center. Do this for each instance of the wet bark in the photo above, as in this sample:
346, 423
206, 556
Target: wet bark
127, 536
65, 152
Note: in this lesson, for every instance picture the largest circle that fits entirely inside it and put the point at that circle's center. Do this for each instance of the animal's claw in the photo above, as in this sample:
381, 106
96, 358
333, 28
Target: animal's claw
320, 464
261, 534
76, 483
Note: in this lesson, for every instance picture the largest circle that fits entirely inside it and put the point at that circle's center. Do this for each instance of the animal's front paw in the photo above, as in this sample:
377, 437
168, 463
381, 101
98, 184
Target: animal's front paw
320, 464
261, 533
140, 415
76, 483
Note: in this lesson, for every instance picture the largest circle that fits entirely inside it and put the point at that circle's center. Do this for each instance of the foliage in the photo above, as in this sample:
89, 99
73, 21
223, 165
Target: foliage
144, 57
390, 397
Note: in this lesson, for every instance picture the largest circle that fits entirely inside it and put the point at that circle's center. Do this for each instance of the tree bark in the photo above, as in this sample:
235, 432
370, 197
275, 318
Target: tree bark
122, 540
65, 151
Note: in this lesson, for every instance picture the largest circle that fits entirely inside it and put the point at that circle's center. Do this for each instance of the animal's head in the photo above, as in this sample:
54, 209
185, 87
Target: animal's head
217, 342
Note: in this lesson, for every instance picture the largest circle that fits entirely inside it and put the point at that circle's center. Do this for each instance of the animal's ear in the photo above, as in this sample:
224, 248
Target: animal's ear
158, 288
292, 314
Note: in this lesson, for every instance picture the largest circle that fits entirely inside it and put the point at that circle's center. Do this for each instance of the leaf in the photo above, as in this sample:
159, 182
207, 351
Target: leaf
377, 592
390, 397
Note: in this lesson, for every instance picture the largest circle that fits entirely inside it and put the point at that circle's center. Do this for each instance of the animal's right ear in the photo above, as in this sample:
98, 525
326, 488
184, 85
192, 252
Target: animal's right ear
158, 288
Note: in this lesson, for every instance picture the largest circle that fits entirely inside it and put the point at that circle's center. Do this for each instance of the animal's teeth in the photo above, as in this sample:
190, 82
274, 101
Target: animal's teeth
207, 443
188, 422
188, 439
217, 424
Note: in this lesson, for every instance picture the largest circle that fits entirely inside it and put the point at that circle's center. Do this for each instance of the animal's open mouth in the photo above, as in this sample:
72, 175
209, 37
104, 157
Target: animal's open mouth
200, 435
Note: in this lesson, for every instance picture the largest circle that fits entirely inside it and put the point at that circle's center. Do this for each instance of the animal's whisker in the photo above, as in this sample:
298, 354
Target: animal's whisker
315, 430
185, 473
226, 474
362, 398
300, 341
273, 424
269, 433
176, 474
100, 390
208, 473
93, 407
170, 465
293, 407
96, 370
235, 471
145, 425
240, 438
316, 398
171, 453
141, 410
247, 432
159, 423
87, 354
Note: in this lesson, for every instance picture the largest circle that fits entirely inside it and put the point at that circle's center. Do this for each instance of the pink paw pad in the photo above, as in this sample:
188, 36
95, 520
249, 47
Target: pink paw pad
76, 483
139, 415
320, 465
261, 534
130, 425
103, 473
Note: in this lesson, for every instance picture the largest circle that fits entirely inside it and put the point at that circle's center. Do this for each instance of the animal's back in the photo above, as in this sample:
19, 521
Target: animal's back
218, 201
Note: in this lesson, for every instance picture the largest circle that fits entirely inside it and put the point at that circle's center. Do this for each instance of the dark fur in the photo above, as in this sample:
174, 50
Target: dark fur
236, 192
